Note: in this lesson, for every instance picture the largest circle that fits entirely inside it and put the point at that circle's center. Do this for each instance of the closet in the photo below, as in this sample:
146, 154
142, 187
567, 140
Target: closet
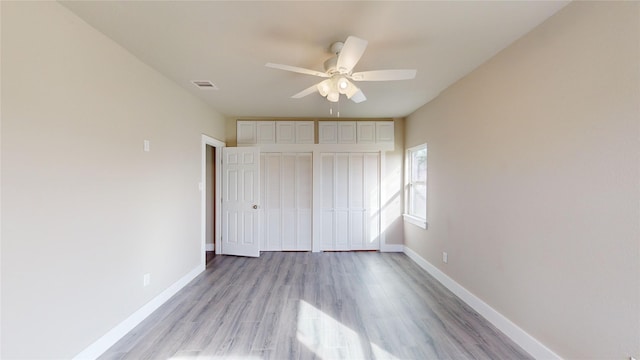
318, 193
286, 194
350, 193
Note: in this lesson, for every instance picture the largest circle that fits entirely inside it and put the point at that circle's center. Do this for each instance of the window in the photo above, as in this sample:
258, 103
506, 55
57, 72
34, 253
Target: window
416, 190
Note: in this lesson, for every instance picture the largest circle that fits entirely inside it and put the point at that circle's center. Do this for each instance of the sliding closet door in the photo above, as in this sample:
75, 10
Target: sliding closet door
286, 199
350, 201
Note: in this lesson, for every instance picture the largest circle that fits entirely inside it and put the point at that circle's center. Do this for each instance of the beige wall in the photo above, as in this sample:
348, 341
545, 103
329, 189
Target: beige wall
391, 197
85, 212
534, 181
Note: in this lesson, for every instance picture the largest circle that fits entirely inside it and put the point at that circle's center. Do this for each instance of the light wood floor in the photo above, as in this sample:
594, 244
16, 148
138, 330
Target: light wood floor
334, 305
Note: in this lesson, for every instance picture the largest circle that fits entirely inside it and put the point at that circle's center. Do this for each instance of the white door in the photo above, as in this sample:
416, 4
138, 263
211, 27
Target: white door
240, 201
286, 199
350, 201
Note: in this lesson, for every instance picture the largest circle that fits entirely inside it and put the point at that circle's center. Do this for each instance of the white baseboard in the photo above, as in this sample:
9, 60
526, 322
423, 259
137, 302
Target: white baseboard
107, 340
209, 247
519, 336
391, 248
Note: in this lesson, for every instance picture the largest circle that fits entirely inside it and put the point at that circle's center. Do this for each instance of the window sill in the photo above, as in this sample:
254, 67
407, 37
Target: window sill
422, 223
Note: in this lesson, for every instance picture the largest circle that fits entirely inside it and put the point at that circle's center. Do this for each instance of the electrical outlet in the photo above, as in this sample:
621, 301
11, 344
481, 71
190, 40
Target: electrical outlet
146, 145
445, 257
146, 280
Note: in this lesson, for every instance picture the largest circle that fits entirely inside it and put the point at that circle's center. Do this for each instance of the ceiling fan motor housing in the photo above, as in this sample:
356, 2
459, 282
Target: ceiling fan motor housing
330, 65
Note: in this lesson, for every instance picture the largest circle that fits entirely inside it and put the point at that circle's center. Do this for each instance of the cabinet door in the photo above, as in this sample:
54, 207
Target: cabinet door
384, 132
346, 132
305, 132
366, 132
266, 132
285, 132
327, 132
246, 132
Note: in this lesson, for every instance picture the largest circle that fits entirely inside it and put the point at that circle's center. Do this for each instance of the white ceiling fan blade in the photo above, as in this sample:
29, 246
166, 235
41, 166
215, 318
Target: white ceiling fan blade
358, 97
384, 75
297, 69
350, 54
310, 90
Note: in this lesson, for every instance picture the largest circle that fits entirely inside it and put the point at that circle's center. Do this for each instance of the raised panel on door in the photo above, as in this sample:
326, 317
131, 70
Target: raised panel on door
285, 132
346, 132
305, 132
246, 132
265, 132
327, 132
366, 132
384, 132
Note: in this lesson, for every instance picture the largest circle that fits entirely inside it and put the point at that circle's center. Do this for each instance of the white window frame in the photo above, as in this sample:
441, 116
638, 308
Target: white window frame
408, 216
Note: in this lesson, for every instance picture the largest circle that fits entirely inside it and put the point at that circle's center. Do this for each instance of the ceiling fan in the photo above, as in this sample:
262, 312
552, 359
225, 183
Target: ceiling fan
338, 72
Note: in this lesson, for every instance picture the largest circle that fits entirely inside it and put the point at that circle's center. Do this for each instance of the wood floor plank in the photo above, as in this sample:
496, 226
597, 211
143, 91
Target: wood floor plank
300, 305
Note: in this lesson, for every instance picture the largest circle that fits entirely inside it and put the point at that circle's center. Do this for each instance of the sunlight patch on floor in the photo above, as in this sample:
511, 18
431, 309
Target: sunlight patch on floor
226, 357
327, 338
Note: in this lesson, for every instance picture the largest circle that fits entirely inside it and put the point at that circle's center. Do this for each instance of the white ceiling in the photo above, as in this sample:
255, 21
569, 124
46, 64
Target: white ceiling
228, 42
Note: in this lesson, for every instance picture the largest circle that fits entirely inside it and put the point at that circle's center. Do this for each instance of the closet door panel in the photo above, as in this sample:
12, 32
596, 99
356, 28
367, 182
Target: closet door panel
356, 226
303, 233
288, 181
342, 181
289, 229
328, 230
304, 181
327, 180
342, 230
304, 198
272, 203
273, 234
356, 193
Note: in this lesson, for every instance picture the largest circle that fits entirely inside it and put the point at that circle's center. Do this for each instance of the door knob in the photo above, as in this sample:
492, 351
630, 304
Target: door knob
255, 206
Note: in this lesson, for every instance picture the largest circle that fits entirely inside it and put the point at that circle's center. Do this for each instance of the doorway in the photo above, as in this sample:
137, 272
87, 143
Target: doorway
210, 188
211, 208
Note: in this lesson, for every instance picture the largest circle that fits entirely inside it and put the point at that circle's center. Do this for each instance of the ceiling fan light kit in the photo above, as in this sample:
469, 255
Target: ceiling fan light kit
338, 72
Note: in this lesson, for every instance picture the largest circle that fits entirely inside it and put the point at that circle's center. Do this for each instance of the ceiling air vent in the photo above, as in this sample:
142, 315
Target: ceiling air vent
204, 84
